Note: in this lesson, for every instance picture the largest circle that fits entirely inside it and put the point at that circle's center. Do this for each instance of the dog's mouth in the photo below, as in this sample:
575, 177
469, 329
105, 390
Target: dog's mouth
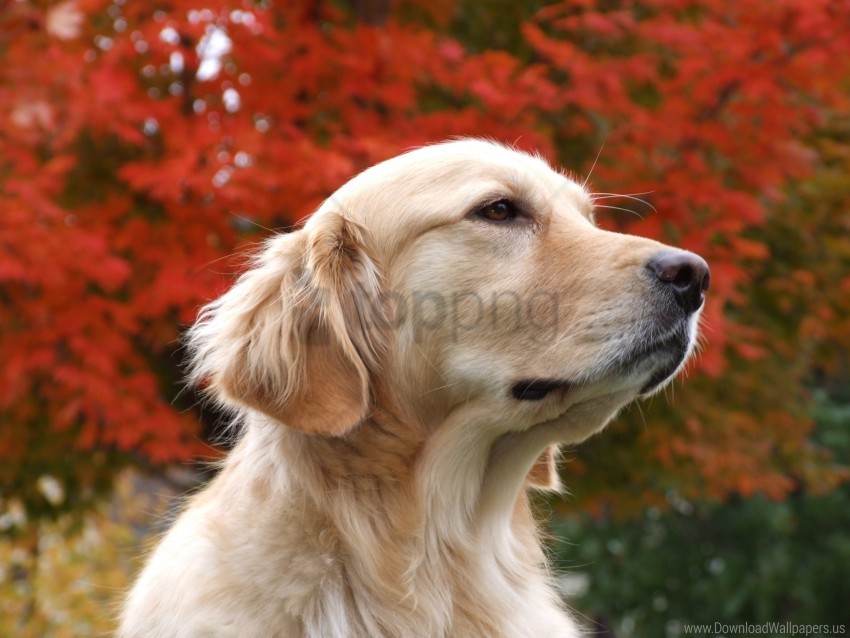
662, 357
537, 389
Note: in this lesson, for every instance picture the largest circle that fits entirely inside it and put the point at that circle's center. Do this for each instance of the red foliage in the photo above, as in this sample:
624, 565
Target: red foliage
142, 142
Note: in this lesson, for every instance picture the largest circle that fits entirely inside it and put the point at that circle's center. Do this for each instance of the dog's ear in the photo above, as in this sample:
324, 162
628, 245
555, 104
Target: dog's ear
544, 473
295, 338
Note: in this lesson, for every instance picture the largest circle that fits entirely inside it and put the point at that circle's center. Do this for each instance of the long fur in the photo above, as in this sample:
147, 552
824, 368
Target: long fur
379, 486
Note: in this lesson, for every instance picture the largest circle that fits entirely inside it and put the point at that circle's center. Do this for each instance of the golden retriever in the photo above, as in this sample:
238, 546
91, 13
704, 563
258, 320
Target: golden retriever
403, 369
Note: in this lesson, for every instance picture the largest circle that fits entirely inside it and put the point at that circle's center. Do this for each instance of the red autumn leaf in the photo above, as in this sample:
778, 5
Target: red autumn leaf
137, 161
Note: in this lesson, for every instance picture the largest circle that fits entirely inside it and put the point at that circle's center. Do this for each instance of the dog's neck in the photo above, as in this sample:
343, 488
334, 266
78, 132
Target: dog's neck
378, 456
387, 485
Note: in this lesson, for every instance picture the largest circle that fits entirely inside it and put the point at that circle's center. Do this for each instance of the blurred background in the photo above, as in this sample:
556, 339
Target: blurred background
145, 147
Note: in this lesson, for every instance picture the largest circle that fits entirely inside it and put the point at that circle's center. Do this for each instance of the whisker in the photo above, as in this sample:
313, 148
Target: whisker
596, 159
631, 196
622, 194
635, 213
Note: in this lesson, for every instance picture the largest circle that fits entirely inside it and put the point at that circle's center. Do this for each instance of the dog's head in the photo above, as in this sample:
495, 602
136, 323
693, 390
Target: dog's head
456, 273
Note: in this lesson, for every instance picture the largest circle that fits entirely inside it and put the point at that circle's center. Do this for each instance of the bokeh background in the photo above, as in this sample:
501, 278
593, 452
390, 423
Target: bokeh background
146, 147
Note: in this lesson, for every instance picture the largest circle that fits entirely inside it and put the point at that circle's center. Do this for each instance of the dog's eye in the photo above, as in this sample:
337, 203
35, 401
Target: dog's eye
500, 211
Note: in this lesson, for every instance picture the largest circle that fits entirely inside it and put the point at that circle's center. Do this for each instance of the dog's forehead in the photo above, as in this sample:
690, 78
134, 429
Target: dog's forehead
437, 183
470, 160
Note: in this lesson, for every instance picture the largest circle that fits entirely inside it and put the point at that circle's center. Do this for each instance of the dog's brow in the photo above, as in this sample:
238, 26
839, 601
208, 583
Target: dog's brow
583, 200
586, 208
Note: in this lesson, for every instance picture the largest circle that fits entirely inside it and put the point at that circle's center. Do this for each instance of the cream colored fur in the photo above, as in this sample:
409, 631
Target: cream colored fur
379, 484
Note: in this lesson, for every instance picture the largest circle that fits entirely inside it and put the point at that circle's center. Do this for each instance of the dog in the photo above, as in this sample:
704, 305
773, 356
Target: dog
403, 369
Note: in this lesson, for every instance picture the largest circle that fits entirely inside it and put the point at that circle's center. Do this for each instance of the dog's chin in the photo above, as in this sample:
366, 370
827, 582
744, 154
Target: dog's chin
652, 364
573, 409
586, 416
671, 364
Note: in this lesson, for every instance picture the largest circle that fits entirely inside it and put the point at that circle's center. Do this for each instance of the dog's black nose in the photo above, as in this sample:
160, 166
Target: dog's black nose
685, 273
